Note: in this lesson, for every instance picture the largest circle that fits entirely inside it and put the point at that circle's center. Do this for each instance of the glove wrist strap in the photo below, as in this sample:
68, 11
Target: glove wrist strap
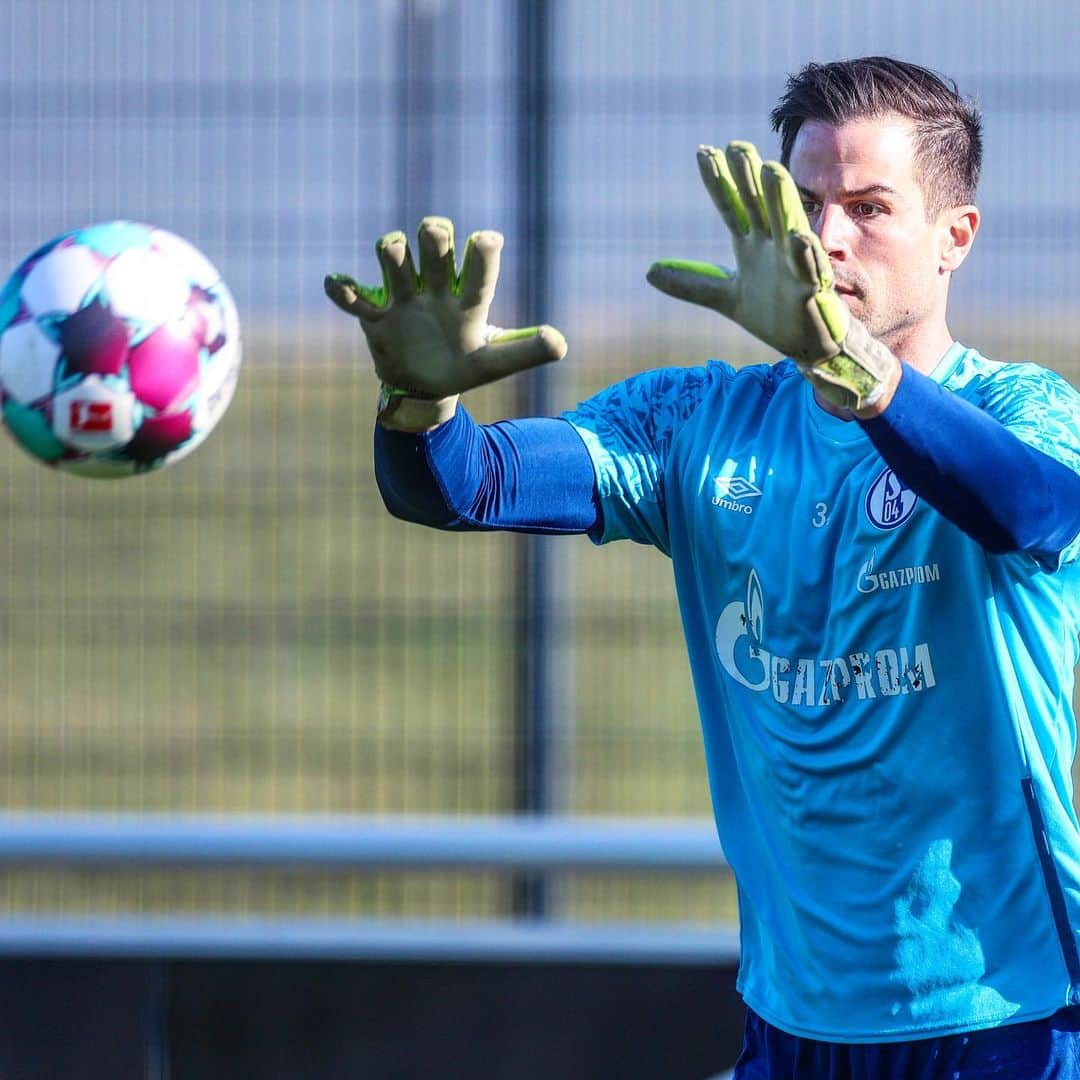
858, 375
873, 363
405, 410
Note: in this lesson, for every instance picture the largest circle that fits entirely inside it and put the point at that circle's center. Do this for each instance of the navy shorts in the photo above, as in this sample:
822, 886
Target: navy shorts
1034, 1050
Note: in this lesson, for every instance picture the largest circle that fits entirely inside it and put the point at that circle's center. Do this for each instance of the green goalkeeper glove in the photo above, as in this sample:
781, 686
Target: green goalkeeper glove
783, 290
428, 332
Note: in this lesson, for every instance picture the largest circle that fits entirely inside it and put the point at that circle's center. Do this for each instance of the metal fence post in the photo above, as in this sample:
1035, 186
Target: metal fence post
543, 668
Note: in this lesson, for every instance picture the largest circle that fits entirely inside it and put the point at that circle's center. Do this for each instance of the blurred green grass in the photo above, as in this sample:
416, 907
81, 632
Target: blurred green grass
249, 631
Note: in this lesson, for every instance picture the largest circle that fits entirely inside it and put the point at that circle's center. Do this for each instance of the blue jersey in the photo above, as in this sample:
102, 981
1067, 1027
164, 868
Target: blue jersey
887, 707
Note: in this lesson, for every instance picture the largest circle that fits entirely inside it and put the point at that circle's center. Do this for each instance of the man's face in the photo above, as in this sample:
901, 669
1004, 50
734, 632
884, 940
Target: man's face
863, 201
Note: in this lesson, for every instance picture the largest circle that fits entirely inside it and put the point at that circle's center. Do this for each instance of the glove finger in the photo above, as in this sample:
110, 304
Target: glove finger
436, 241
802, 258
716, 176
802, 249
823, 263
511, 351
399, 274
696, 282
480, 269
834, 316
360, 300
745, 165
808, 260
783, 204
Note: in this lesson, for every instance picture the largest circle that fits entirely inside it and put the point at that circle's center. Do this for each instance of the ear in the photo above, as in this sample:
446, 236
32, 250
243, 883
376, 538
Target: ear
958, 227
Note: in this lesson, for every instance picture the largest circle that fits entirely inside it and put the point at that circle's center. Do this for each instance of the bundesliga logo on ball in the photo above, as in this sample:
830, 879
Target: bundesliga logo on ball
119, 350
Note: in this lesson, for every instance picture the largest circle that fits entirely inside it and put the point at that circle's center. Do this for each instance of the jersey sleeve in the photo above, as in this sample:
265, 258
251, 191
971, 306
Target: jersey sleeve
628, 430
1042, 409
529, 475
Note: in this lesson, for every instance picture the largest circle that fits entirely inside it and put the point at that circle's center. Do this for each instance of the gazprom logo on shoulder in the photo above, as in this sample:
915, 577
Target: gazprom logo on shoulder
729, 492
889, 502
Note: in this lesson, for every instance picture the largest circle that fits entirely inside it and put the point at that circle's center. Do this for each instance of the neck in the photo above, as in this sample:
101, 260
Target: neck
922, 348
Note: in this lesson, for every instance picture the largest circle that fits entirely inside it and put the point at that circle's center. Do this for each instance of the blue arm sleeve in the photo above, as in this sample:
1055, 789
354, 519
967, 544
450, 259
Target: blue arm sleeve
530, 475
1003, 493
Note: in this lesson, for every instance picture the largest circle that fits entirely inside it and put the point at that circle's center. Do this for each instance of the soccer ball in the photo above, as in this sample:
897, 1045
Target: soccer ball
119, 350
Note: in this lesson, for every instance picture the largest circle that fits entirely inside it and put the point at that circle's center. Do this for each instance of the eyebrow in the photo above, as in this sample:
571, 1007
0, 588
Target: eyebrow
870, 189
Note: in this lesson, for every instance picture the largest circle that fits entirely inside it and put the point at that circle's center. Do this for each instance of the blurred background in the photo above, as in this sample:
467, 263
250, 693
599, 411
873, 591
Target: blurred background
249, 632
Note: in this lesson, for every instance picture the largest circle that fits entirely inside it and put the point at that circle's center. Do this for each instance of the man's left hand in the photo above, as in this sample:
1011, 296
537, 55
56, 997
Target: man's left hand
782, 291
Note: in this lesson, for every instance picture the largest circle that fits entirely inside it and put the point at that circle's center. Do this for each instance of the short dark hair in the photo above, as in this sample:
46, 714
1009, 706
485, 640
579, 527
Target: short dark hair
948, 128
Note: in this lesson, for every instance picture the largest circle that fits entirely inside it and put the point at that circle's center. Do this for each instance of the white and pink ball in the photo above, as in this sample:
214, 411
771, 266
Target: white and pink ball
119, 350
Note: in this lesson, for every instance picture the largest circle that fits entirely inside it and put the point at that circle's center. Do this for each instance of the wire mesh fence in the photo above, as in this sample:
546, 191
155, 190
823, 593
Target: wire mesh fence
250, 631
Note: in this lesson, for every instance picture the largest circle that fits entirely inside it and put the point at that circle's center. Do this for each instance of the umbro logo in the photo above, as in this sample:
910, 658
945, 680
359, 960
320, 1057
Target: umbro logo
729, 493
735, 487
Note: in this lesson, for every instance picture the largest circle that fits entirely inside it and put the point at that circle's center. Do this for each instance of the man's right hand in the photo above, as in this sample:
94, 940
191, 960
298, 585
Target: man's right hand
429, 333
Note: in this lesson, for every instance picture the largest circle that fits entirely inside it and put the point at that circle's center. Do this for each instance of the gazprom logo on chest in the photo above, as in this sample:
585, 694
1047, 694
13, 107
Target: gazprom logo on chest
889, 502
862, 673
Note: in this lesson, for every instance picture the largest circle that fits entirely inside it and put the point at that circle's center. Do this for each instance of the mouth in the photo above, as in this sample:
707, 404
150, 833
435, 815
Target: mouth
846, 292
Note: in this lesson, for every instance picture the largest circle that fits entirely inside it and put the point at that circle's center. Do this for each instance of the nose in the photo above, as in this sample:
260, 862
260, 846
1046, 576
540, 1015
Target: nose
833, 231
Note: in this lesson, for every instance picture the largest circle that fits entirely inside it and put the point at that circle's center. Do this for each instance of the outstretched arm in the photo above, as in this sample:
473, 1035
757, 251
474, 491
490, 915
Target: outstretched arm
523, 475
1005, 494
972, 469
430, 338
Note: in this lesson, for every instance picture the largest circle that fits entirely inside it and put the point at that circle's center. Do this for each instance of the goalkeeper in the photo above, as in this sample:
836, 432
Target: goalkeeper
876, 549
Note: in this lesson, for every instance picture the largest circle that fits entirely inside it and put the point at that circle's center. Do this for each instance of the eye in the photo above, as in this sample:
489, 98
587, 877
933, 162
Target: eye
811, 207
867, 209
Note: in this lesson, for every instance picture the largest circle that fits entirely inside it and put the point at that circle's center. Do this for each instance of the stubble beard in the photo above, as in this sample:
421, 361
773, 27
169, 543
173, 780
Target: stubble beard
890, 327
